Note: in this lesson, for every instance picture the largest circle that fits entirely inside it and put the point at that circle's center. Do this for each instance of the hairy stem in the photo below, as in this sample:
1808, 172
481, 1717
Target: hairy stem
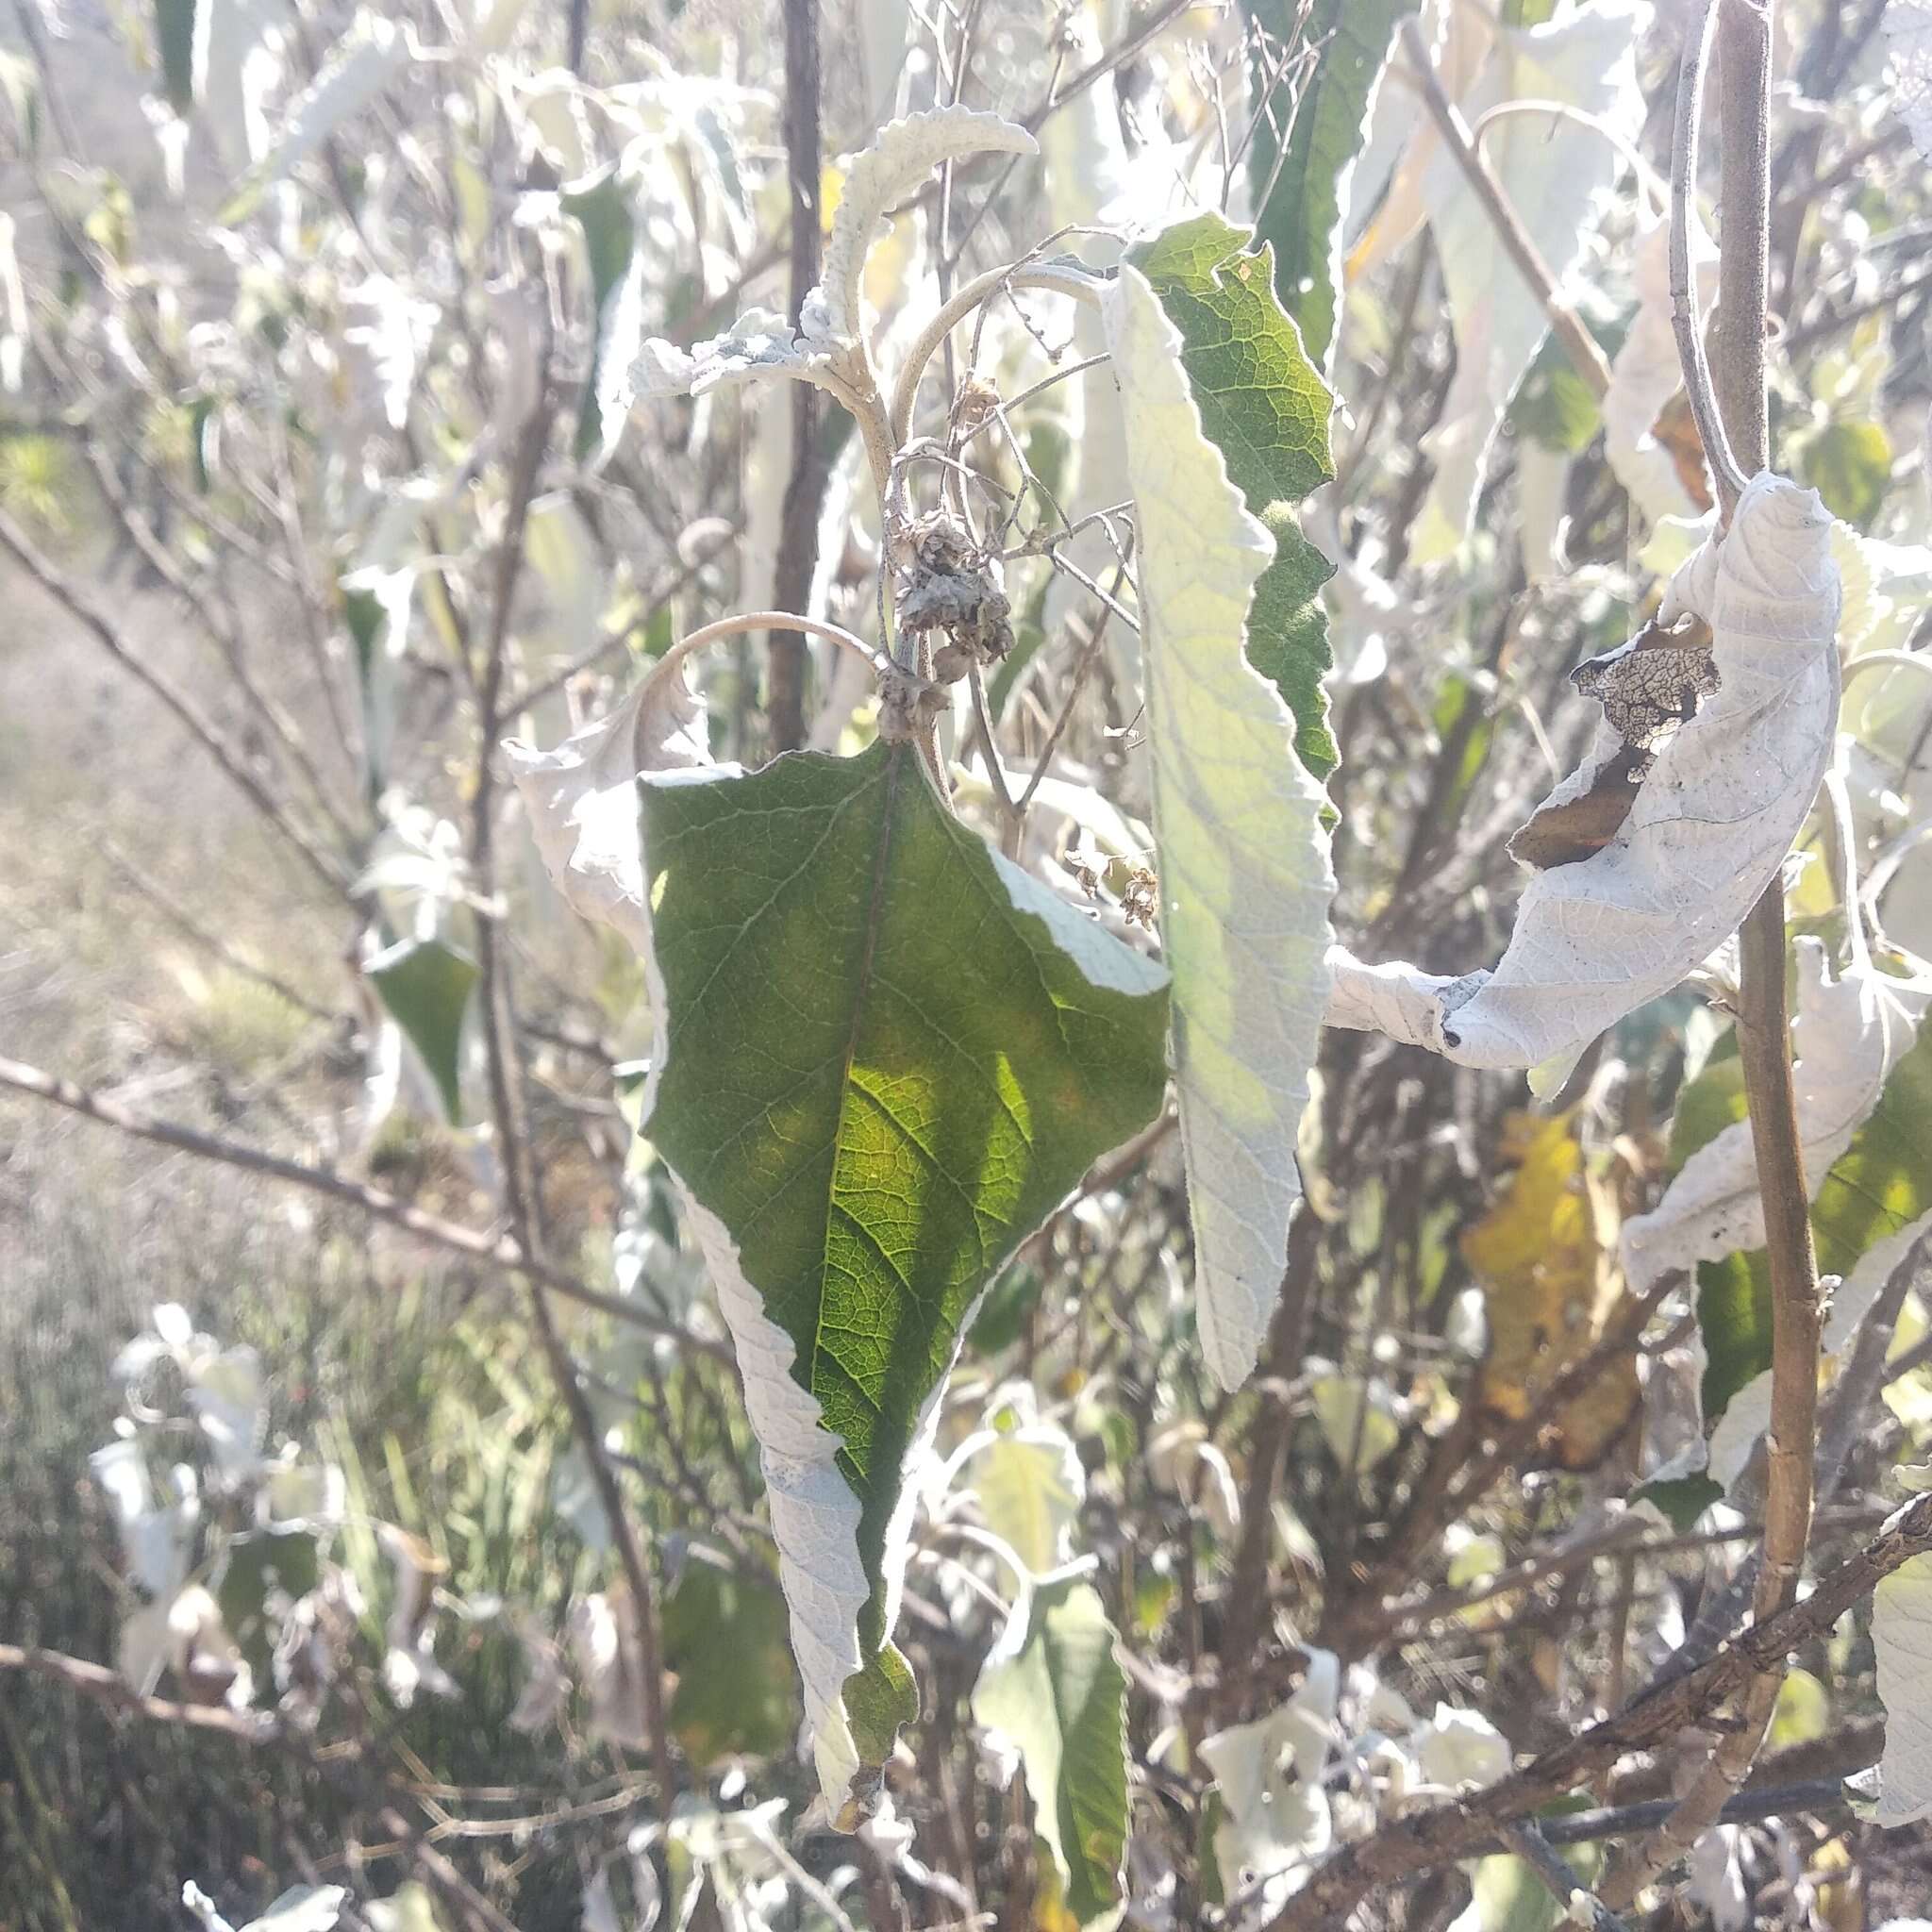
1764, 1035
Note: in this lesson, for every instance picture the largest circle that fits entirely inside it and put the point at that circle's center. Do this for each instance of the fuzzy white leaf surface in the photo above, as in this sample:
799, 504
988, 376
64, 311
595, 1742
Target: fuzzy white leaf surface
1276, 1816
1245, 879
1902, 1636
898, 160
1709, 828
1848, 1035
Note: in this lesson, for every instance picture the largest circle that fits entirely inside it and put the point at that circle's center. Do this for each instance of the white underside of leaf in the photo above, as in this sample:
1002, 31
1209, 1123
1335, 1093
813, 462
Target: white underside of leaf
1553, 172
1848, 1036
1709, 828
814, 1512
582, 798
1245, 880
1646, 372
899, 159
1902, 1636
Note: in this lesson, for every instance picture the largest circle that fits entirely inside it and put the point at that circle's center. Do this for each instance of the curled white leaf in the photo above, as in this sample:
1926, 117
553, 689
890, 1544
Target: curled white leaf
904, 153
1709, 829
759, 342
1848, 1035
1245, 877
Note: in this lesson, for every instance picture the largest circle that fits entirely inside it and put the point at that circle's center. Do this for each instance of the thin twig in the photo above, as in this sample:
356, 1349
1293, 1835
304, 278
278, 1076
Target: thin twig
523, 1196
1684, 317
1764, 1037
234, 766
1579, 343
497, 1250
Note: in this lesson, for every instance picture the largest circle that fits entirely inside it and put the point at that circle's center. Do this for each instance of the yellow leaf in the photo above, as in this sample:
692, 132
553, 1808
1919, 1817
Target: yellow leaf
1544, 1256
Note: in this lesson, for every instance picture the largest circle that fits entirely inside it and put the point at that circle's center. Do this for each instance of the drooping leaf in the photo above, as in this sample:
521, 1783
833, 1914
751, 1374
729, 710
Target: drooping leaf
426, 986
365, 63
1902, 1636
1263, 405
1301, 220
1540, 1255
1245, 881
724, 1639
1059, 1701
885, 1055
602, 208
1708, 830
1029, 1484
1849, 464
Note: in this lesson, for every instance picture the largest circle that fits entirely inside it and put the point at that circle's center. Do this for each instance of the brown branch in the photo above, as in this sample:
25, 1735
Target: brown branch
110, 1688
1764, 1035
1459, 1828
1579, 343
523, 1194
499, 1251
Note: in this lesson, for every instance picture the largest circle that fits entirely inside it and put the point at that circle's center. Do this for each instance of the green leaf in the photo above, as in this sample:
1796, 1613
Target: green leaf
724, 1637
1849, 464
1266, 410
1061, 1703
426, 985
1553, 406
1301, 219
175, 26
1215, 409
602, 211
885, 1055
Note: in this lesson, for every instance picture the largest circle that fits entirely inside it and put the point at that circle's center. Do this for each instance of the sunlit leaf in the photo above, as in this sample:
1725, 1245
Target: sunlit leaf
1301, 220
1059, 1701
1264, 406
1542, 1256
884, 1054
1245, 881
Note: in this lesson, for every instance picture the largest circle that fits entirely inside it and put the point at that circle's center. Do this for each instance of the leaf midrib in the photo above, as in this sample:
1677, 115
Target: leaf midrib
875, 914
